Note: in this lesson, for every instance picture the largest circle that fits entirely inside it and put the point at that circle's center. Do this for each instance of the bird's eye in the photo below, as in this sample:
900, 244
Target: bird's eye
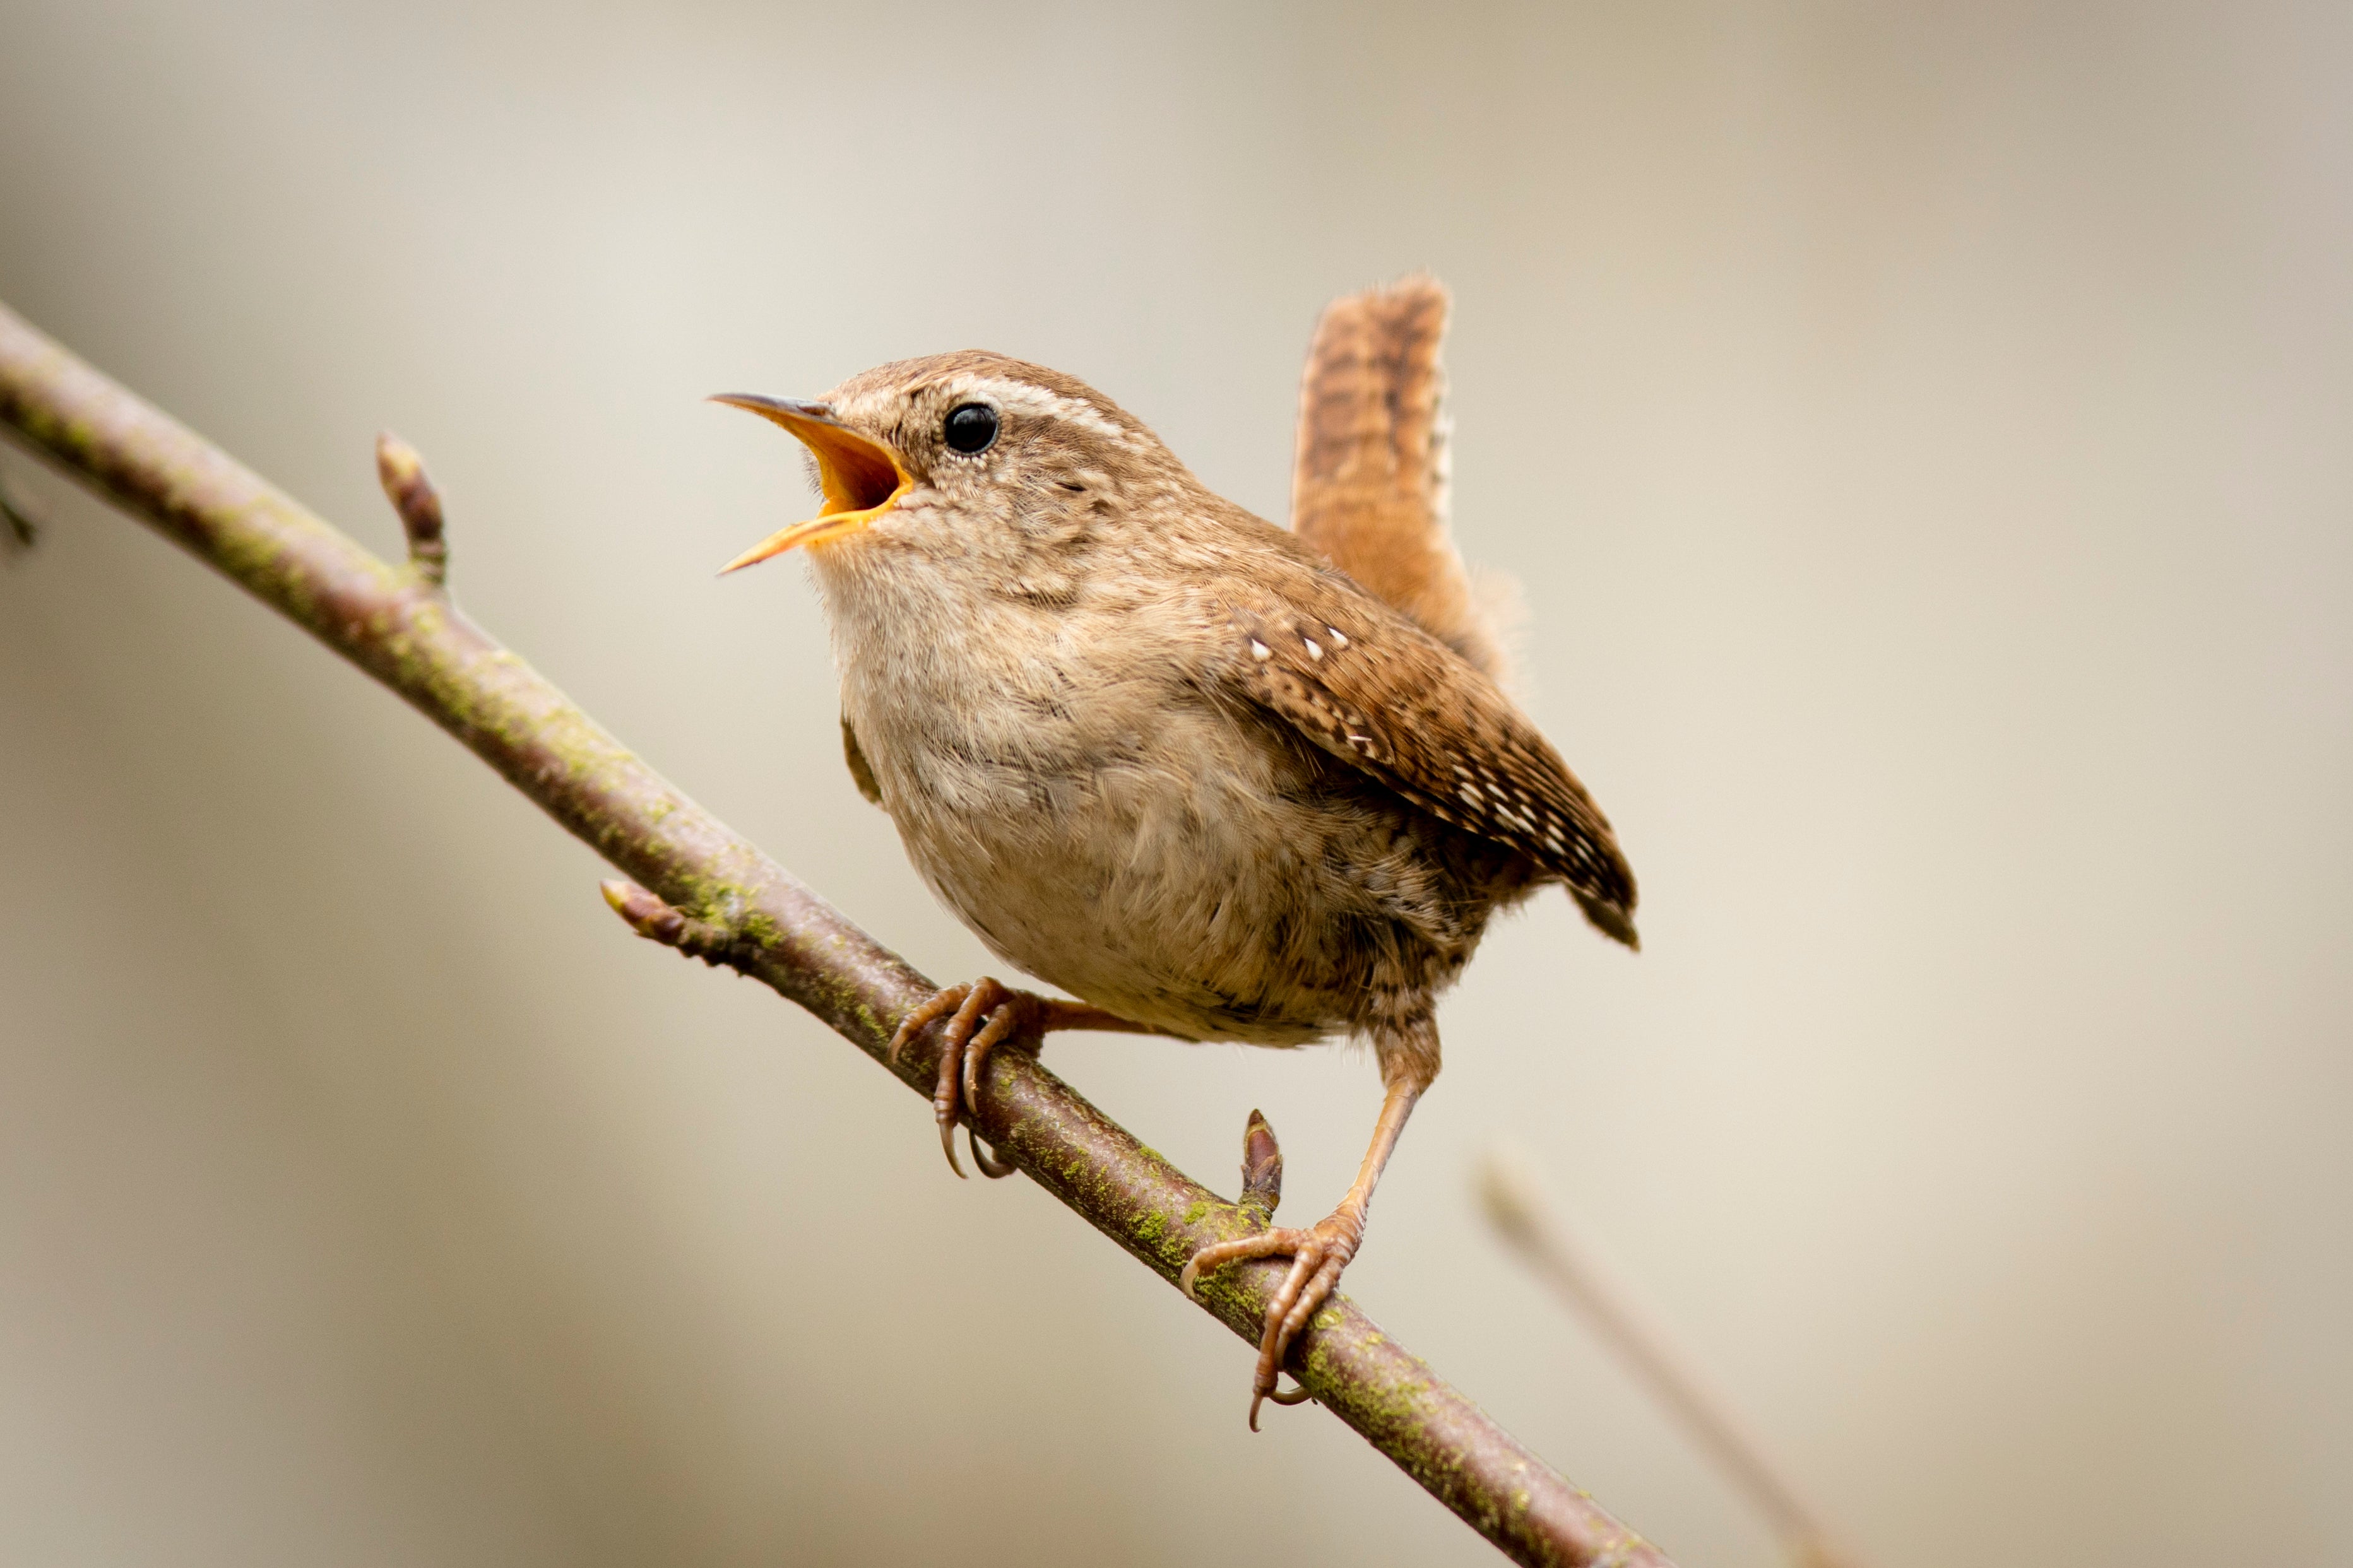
971, 427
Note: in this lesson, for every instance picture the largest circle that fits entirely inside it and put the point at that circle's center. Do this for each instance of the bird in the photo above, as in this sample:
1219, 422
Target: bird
1214, 778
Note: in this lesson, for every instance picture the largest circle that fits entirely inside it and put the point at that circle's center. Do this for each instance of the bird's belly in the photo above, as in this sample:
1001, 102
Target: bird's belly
1176, 879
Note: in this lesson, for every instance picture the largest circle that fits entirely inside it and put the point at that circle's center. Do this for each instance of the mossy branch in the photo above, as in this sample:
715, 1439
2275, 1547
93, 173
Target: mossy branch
728, 902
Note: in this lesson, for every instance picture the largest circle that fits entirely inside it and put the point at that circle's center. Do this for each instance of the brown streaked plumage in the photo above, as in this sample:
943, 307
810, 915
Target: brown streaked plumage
1369, 482
1169, 757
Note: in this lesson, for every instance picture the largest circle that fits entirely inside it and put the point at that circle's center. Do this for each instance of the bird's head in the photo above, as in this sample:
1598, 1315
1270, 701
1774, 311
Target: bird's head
966, 453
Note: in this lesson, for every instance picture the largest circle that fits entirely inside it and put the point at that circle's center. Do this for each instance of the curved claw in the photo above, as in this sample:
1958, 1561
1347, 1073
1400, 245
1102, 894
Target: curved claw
946, 1143
973, 1002
991, 1164
943, 1002
1318, 1255
981, 1016
1004, 1019
1295, 1394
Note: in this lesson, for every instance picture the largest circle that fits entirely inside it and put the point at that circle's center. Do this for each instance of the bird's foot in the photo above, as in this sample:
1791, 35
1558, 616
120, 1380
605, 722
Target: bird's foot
982, 1017
1317, 1255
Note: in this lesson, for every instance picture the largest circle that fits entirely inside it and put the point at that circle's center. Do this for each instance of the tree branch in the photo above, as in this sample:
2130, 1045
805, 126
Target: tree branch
734, 905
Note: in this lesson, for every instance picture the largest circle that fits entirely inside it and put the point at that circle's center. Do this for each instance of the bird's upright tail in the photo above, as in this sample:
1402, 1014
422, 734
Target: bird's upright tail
1369, 488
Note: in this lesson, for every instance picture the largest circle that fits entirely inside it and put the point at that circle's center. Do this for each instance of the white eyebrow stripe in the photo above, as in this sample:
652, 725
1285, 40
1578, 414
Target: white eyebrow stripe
1021, 397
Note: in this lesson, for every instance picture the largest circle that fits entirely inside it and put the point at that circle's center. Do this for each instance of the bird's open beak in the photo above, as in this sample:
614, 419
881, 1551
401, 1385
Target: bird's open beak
862, 480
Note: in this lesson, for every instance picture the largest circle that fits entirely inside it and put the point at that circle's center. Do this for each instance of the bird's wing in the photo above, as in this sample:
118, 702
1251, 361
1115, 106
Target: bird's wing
861, 771
1368, 485
1376, 691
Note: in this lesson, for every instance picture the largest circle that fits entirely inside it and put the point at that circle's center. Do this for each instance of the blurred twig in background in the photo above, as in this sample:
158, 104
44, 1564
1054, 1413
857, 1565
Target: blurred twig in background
19, 528
1514, 1201
712, 894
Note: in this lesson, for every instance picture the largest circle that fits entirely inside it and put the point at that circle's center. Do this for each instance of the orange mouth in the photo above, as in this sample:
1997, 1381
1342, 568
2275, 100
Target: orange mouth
862, 480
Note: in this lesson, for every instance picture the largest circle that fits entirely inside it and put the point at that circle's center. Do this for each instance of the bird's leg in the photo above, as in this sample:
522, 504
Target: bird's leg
1321, 1251
981, 1016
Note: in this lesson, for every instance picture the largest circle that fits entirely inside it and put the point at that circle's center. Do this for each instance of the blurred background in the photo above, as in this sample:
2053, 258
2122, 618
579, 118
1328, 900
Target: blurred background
1920, 435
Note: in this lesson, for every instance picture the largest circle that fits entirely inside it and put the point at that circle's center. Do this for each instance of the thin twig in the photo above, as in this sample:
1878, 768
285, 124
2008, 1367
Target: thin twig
1262, 1168
406, 484
20, 529
738, 907
1514, 1201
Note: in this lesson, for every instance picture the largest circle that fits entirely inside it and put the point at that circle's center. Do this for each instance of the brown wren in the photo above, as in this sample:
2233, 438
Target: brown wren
1216, 779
